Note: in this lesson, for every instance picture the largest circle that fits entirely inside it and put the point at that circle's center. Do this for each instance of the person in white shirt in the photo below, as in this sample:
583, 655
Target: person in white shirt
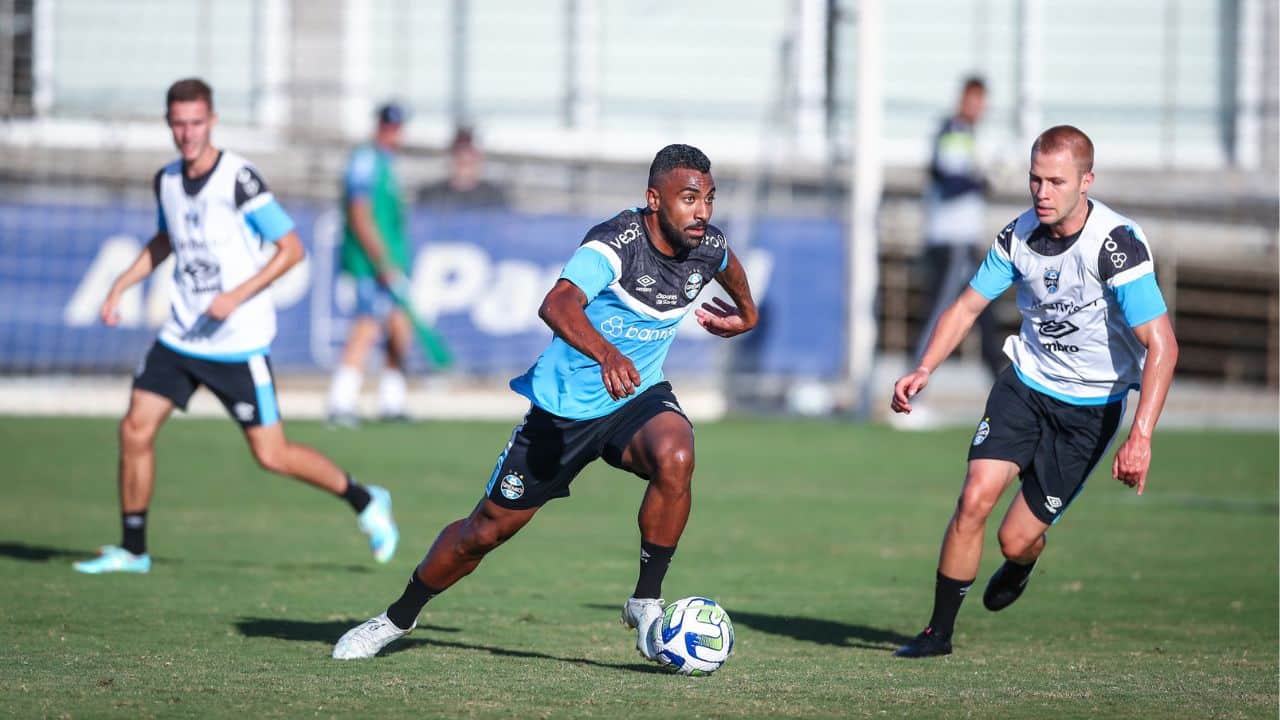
230, 240
1094, 327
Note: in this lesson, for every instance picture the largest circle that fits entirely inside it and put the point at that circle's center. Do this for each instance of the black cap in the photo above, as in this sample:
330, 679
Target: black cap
391, 114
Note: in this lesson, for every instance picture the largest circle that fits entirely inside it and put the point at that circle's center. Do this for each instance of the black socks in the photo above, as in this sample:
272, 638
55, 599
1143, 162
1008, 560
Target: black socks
403, 613
947, 596
356, 495
654, 561
135, 532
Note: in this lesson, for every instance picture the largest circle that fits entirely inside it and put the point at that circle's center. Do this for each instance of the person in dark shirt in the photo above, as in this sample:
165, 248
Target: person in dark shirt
955, 218
465, 188
598, 391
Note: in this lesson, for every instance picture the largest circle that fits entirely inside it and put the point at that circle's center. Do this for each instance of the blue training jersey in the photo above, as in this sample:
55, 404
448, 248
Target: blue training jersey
636, 298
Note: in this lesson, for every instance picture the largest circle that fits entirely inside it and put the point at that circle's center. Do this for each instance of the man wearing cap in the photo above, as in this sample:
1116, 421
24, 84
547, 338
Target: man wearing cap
375, 254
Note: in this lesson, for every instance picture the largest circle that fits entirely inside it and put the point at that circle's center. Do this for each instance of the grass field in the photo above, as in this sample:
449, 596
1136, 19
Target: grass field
820, 539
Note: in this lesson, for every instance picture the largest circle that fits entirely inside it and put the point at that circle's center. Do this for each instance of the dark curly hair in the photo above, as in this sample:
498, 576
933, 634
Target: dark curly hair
672, 157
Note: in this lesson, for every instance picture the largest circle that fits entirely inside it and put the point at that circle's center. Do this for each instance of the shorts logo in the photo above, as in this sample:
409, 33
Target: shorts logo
673, 406
984, 429
512, 486
1052, 504
693, 285
243, 411
1051, 276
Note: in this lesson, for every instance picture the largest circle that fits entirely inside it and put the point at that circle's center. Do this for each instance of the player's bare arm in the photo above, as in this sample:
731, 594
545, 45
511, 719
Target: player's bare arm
954, 323
155, 252
562, 311
724, 319
289, 252
1133, 459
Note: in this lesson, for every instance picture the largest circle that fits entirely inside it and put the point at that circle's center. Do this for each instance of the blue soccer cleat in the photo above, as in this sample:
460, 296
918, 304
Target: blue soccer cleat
114, 559
377, 523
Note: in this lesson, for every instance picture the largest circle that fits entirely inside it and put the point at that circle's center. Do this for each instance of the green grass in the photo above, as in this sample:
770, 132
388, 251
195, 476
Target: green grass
820, 540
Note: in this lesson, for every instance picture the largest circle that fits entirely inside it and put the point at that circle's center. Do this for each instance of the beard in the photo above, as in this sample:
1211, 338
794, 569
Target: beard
677, 238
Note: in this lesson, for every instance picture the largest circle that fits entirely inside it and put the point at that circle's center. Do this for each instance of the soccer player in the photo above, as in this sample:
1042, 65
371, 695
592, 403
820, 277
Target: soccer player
230, 240
1094, 326
598, 391
375, 253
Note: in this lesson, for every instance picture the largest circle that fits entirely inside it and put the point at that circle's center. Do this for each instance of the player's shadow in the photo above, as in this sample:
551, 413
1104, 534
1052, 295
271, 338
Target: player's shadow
326, 632
814, 630
318, 566
44, 553
39, 553
821, 631
329, 631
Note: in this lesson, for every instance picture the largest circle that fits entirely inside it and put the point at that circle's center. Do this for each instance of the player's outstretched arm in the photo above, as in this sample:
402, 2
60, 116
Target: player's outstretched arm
724, 319
289, 252
1133, 459
562, 311
157, 249
953, 325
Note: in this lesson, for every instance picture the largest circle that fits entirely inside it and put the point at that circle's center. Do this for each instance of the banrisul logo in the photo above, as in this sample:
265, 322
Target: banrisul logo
693, 285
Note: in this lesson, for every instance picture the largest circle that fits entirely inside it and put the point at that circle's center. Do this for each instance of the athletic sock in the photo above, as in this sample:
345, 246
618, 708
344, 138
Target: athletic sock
392, 390
947, 596
344, 390
135, 532
403, 613
654, 561
356, 495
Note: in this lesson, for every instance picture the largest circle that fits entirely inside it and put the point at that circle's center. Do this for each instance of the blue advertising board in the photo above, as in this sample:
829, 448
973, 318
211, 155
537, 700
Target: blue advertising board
477, 277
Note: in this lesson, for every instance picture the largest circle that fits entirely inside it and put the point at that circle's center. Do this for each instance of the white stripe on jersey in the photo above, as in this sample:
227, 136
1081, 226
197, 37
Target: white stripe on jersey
1146, 267
256, 202
615, 262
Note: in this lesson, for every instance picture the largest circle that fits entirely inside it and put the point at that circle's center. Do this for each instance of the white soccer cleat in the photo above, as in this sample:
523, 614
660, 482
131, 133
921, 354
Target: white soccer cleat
377, 523
640, 614
368, 638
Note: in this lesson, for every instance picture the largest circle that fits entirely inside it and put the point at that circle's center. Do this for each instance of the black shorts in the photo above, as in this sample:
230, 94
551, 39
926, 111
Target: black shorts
547, 452
1054, 444
245, 387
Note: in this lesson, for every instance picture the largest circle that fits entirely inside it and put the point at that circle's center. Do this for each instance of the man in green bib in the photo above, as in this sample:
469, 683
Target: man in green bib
375, 254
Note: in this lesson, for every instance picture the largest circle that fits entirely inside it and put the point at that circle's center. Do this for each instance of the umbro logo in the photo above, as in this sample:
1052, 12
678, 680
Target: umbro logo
645, 283
1057, 328
1052, 504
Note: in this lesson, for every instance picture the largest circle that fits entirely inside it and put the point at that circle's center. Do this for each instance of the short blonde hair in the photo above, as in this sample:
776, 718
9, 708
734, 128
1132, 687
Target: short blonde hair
1069, 138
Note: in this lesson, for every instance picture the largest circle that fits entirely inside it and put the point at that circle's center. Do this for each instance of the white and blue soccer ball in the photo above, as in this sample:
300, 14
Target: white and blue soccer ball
694, 636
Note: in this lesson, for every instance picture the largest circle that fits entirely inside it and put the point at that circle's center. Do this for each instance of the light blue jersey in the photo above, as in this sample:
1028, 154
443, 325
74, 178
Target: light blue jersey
636, 298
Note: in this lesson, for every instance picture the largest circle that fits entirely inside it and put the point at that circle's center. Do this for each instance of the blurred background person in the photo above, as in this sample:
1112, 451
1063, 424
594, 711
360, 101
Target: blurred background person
375, 253
465, 188
955, 208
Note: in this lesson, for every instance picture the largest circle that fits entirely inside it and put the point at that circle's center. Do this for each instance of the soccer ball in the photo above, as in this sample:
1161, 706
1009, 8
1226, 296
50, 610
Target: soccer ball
693, 637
